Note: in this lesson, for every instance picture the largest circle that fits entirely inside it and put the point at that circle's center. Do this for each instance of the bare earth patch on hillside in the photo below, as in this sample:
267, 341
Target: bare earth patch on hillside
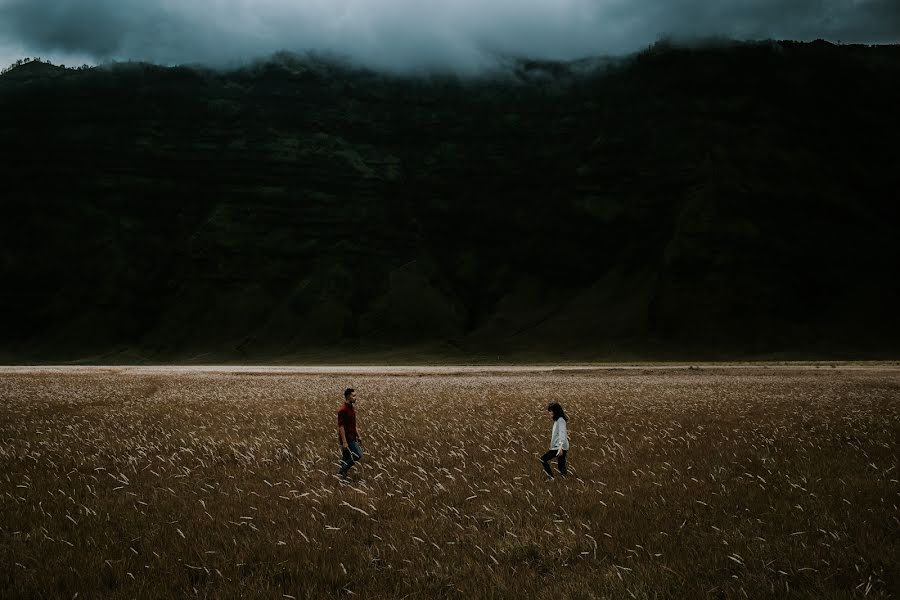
704, 482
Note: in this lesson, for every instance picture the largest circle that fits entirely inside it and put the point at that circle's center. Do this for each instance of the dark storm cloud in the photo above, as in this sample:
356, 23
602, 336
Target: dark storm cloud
462, 34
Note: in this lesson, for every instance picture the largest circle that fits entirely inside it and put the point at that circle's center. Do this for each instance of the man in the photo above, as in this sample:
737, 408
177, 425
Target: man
348, 436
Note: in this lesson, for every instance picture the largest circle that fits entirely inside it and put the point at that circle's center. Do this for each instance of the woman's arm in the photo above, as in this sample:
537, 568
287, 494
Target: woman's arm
563, 435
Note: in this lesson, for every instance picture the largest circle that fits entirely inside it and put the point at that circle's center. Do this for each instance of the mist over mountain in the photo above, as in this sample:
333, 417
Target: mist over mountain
728, 201
462, 36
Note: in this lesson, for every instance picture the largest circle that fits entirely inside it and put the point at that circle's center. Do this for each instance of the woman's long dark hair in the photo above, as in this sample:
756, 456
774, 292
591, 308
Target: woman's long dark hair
557, 411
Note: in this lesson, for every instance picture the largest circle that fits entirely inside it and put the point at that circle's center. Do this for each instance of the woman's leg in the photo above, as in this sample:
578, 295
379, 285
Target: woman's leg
561, 463
545, 460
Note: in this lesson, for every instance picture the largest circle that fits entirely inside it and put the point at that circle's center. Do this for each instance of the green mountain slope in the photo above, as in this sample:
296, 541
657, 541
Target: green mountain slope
734, 201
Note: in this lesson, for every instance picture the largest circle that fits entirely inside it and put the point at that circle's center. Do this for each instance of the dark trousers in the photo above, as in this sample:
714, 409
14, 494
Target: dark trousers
349, 456
560, 462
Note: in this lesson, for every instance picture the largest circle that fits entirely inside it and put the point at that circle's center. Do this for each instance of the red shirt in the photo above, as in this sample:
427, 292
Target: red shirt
347, 418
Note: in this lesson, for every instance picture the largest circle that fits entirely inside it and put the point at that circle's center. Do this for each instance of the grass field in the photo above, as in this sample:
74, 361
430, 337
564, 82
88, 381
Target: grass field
740, 482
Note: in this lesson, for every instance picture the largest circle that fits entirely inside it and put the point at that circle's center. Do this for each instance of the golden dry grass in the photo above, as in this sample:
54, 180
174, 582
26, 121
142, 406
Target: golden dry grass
713, 482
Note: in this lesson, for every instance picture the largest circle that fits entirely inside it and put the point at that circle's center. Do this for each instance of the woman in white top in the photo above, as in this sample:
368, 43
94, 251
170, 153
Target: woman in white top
559, 440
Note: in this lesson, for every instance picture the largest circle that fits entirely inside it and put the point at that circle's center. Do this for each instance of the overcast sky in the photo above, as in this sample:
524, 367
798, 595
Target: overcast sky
405, 34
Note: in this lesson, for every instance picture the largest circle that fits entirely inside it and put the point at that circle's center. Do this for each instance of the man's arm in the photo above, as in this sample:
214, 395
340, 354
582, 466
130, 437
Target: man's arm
342, 436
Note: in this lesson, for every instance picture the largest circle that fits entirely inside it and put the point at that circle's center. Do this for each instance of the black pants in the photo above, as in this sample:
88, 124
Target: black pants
560, 462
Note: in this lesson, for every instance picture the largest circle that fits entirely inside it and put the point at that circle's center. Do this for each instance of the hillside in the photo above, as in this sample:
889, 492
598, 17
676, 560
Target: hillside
737, 201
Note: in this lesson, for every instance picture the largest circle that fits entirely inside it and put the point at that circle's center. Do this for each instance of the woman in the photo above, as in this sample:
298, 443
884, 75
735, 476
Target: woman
559, 440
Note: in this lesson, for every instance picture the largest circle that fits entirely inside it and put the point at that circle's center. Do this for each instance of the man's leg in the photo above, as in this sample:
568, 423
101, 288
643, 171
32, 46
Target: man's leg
346, 461
545, 460
349, 456
356, 449
561, 463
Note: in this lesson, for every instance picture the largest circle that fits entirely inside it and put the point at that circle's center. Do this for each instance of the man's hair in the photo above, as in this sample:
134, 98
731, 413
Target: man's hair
347, 392
557, 411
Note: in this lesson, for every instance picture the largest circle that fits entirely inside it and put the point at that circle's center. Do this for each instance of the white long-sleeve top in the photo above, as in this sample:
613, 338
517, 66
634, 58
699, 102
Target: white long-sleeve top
560, 437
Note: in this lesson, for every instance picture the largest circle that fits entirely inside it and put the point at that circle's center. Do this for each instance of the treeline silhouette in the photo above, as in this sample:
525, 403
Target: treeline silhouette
727, 201
39, 60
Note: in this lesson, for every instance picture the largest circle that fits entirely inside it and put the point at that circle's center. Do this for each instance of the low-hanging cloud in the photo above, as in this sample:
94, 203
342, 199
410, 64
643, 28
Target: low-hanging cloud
462, 35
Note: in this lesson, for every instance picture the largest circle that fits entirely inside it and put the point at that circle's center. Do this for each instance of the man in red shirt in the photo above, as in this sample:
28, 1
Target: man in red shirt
348, 435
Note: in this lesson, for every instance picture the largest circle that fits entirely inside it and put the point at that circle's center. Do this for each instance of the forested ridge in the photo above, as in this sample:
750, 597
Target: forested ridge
725, 201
